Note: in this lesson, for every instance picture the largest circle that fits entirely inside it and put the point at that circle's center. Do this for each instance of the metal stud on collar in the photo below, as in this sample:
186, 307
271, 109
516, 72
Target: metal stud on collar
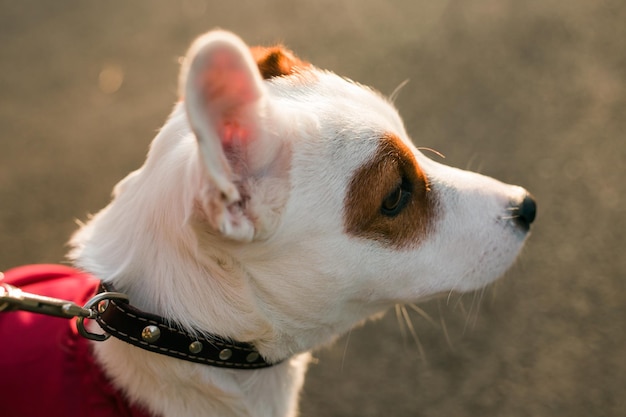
225, 354
195, 347
252, 356
150, 334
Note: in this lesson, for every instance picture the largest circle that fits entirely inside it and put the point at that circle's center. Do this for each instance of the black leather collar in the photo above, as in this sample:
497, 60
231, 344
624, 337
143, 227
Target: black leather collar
154, 333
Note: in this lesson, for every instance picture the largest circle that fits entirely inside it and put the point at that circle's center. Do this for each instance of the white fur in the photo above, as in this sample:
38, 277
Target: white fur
249, 243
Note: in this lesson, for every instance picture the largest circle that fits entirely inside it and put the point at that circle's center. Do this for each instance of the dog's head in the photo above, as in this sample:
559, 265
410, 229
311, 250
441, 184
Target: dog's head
295, 200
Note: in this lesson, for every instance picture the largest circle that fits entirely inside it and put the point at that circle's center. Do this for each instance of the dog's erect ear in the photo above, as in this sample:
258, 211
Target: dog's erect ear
226, 101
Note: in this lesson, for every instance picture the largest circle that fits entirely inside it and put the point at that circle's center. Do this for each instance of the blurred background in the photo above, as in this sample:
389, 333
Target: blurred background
532, 92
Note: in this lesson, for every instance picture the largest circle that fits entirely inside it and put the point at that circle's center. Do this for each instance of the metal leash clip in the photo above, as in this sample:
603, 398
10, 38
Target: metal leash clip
13, 298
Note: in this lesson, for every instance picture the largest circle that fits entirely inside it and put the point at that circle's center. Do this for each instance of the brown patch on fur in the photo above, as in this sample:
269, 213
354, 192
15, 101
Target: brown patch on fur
276, 61
393, 164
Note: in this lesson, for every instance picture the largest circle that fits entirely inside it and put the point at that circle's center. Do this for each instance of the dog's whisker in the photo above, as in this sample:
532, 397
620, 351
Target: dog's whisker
436, 152
471, 162
494, 292
464, 311
468, 314
476, 297
479, 302
459, 304
394, 94
345, 350
422, 313
413, 333
444, 327
398, 310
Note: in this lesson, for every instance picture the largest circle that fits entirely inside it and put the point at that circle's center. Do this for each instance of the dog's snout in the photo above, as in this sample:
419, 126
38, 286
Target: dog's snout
524, 211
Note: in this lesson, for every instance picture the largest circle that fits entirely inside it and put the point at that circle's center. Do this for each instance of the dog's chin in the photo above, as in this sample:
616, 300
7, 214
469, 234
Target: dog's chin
482, 276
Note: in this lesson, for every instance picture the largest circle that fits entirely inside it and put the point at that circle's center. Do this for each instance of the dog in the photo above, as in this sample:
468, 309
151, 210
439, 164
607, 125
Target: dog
279, 206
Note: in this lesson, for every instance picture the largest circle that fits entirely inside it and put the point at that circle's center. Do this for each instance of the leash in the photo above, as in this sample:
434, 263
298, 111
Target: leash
114, 314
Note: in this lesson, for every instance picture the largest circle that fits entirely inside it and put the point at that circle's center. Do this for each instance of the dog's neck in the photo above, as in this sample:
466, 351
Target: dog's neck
167, 277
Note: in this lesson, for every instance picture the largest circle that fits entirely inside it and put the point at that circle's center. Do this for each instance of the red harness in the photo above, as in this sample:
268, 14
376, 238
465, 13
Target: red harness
46, 367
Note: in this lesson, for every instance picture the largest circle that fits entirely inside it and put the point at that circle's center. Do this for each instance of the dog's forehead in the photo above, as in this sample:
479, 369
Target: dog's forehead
335, 99
341, 122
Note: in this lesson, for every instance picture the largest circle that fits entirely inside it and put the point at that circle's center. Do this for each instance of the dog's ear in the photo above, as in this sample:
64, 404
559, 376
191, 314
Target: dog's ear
226, 103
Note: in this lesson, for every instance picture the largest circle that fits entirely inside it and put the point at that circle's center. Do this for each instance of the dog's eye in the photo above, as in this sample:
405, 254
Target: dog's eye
396, 200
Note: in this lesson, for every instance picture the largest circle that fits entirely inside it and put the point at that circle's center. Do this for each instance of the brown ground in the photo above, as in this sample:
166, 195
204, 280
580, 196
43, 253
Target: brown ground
531, 92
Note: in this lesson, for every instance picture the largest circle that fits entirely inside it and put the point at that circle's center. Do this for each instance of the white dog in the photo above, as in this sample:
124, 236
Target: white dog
280, 205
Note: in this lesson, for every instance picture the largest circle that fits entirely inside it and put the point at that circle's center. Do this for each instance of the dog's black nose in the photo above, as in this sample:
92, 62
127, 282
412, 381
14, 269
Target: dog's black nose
525, 211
